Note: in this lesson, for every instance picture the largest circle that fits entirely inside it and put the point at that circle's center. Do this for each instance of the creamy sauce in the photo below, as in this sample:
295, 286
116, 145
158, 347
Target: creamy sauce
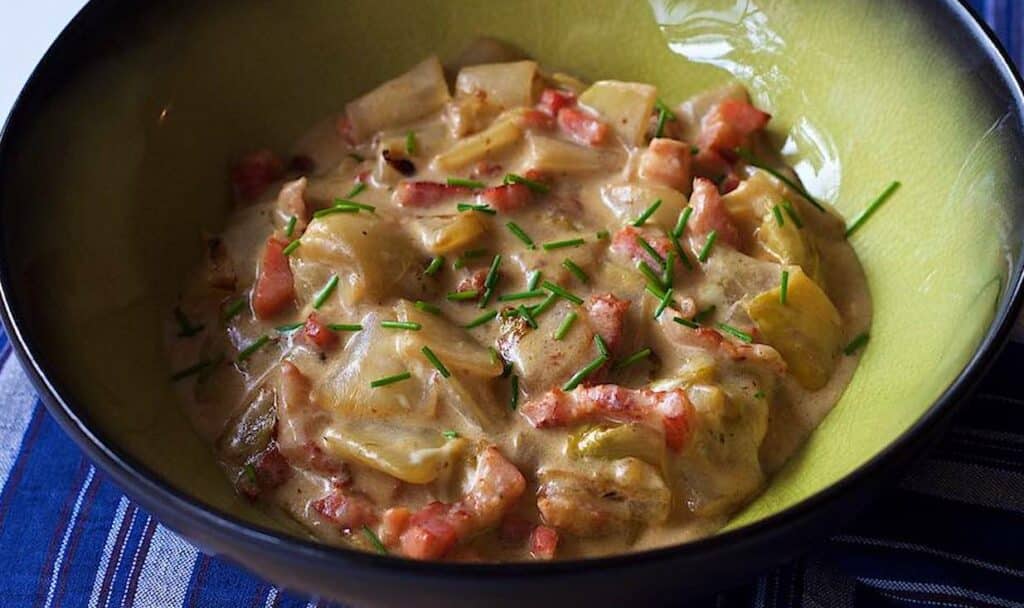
652, 453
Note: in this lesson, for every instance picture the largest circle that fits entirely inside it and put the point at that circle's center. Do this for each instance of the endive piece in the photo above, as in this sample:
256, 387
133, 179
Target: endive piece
550, 155
414, 455
501, 134
611, 443
445, 234
399, 101
507, 85
452, 344
625, 106
805, 330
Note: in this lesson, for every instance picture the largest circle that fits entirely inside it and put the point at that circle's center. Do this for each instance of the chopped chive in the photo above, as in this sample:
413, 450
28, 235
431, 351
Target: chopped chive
784, 287
684, 217
538, 187
527, 316
484, 318
462, 296
356, 157
390, 380
345, 326
336, 209
562, 244
646, 215
663, 107
514, 398
575, 270
486, 298
481, 208
410, 143
778, 215
665, 301
522, 295
543, 306
374, 540
533, 280
250, 350
662, 118
520, 234
450, 434
249, 472
703, 315
636, 357
694, 150
581, 375
875, 204
602, 235
473, 253
429, 354
791, 212
666, 273
651, 251
465, 183
651, 276
283, 329
705, 251
427, 307
747, 156
655, 291
686, 322
191, 370
856, 344
679, 252
561, 292
291, 247
742, 335
234, 308
434, 265
602, 346
326, 292
759, 395
495, 358
289, 228
185, 327
566, 324
357, 188
344, 202
410, 325
492, 273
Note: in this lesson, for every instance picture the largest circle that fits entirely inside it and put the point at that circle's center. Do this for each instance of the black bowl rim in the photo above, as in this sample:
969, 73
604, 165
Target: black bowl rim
146, 487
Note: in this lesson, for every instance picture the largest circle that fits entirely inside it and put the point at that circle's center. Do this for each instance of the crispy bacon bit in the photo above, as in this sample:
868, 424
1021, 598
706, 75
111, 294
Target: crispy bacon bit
393, 522
536, 119
347, 509
220, 270
437, 527
668, 410
274, 290
298, 422
607, 316
553, 100
291, 202
715, 341
506, 198
318, 334
402, 165
582, 127
626, 243
729, 123
709, 213
667, 161
425, 194
514, 529
474, 281
253, 174
543, 542
270, 470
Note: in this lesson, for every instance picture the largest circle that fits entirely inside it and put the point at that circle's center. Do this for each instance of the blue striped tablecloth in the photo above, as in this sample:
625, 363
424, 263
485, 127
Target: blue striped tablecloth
951, 534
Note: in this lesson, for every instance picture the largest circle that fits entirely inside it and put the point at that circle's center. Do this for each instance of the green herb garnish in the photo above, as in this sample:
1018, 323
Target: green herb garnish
791, 212
565, 325
462, 207
326, 292
522, 295
759, 395
784, 287
344, 202
602, 346
429, 354
289, 228
646, 215
664, 114
562, 244
875, 204
357, 188
705, 251
533, 280
492, 273
234, 308
185, 327
335, 209
527, 316
390, 380
667, 272
462, 296
561, 292
291, 247
747, 156
427, 307
663, 304
856, 344
686, 322
602, 235
250, 350
514, 398
410, 325
679, 252
283, 329
546, 304
778, 215
639, 355
684, 218
654, 290
738, 333
581, 375
465, 183
345, 326
538, 187
651, 276
374, 540
484, 318
191, 370
520, 234
450, 434
575, 270
410, 143
651, 251
703, 315
434, 265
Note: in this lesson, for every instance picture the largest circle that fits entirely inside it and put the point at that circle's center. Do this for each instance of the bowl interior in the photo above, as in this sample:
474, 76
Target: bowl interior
116, 170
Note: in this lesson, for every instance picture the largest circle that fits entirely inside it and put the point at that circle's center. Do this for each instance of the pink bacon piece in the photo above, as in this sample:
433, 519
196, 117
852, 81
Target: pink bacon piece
709, 213
425, 194
728, 125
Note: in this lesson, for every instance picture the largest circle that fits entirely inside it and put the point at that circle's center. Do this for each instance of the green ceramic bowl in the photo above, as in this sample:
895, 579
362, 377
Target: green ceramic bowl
114, 160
